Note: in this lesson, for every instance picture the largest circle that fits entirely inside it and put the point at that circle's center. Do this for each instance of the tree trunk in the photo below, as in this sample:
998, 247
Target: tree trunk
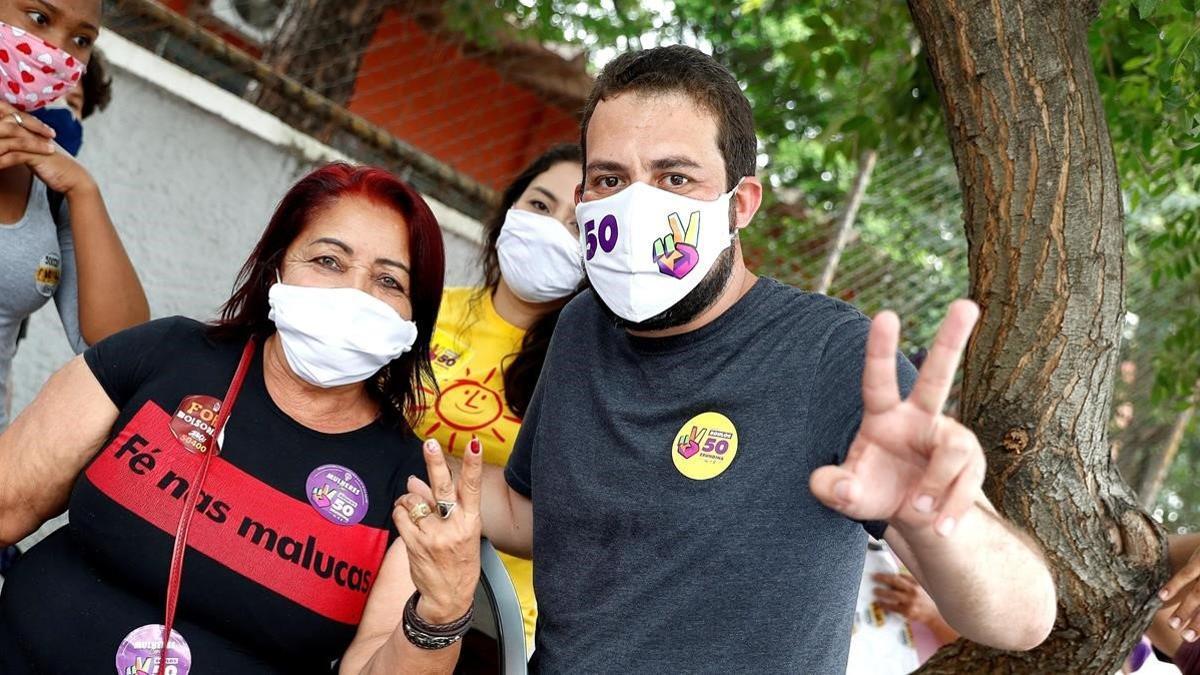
866, 164
321, 44
1042, 210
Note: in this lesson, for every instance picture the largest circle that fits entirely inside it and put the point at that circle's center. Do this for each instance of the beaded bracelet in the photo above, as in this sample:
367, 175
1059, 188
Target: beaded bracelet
433, 635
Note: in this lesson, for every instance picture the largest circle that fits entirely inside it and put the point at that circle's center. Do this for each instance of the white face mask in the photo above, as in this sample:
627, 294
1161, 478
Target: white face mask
336, 336
645, 249
539, 258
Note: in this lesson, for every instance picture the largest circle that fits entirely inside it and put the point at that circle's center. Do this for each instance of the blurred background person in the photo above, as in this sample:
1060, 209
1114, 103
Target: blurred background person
901, 594
881, 642
897, 626
491, 340
92, 94
56, 238
66, 249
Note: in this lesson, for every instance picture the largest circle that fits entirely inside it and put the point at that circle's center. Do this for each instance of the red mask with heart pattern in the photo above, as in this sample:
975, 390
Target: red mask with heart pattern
33, 72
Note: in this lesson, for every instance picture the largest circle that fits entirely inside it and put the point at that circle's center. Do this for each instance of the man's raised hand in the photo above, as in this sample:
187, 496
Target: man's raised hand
909, 462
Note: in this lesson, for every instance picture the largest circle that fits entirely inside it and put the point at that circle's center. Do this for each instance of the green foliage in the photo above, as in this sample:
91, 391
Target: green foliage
1148, 68
840, 75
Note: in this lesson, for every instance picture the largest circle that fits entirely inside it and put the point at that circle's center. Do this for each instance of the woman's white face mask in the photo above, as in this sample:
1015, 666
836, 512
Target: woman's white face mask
337, 336
540, 260
645, 248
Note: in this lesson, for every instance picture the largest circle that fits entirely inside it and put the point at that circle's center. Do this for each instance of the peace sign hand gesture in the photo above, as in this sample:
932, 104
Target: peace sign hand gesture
442, 534
909, 463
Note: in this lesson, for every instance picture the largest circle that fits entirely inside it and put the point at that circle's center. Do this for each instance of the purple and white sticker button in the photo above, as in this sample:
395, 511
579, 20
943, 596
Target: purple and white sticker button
140, 653
338, 494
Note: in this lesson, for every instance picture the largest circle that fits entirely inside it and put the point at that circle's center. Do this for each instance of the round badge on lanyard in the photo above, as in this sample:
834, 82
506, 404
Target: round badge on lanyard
140, 653
337, 493
143, 651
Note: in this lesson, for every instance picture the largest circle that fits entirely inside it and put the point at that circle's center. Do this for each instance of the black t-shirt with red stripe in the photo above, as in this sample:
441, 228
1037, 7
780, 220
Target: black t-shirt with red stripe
269, 583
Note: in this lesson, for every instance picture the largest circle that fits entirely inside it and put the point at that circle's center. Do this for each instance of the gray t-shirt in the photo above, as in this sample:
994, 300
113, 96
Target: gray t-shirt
674, 530
37, 262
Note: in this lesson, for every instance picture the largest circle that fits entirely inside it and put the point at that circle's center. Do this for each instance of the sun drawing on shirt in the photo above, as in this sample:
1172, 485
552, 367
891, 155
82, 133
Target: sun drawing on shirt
468, 405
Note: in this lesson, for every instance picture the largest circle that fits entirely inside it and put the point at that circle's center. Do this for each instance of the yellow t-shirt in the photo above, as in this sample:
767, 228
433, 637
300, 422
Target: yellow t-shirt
470, 346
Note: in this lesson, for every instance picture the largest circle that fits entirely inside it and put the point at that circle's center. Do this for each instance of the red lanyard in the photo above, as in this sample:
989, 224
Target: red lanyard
193, 495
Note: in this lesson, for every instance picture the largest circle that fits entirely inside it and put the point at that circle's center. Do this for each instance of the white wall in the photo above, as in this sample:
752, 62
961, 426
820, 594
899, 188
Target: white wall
191, 174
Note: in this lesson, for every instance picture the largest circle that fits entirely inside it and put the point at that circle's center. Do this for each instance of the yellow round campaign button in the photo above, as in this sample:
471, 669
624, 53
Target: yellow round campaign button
705, 446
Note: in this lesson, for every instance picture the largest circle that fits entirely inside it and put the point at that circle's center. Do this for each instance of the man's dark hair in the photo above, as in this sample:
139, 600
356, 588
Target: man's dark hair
688, 71
97, 85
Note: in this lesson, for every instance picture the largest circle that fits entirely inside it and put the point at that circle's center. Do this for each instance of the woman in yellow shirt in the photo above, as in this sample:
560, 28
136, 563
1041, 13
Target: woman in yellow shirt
491, 341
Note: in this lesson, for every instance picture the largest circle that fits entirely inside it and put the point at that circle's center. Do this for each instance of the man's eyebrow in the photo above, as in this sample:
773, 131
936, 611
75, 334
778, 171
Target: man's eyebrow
605, 165
674, 162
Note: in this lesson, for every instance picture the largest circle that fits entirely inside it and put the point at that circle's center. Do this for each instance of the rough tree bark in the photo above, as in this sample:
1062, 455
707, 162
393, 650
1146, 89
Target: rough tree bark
321, 44
1042, 210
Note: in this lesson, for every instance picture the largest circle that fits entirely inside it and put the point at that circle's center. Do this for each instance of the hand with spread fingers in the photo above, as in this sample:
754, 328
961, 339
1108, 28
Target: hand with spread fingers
440, 526
24, 139
909, 463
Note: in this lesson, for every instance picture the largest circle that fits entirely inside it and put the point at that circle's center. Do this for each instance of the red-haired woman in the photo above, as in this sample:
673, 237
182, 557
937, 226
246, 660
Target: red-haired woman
286, 514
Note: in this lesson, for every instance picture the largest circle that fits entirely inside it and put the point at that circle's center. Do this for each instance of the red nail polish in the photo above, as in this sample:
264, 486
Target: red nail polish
476, 446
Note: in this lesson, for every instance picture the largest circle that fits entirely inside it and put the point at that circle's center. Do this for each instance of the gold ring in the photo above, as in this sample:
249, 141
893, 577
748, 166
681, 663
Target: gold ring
418, 512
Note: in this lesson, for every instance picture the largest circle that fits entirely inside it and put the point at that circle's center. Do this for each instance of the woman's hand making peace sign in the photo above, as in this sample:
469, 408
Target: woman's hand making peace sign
440, 526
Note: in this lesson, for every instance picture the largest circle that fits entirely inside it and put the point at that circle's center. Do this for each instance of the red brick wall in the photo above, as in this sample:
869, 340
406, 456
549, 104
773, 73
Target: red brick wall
454, 108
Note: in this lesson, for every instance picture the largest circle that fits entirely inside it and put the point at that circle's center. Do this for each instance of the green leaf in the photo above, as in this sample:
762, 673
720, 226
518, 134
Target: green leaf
1136, 63
816, 22
1146, 7
821, 38
1138, 20
832, 63
855, 124
858, 51
797, 51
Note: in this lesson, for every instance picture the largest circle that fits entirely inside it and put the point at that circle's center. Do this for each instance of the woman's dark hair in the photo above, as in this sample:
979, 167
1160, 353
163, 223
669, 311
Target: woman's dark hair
397, 387
96, 85
523, 368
